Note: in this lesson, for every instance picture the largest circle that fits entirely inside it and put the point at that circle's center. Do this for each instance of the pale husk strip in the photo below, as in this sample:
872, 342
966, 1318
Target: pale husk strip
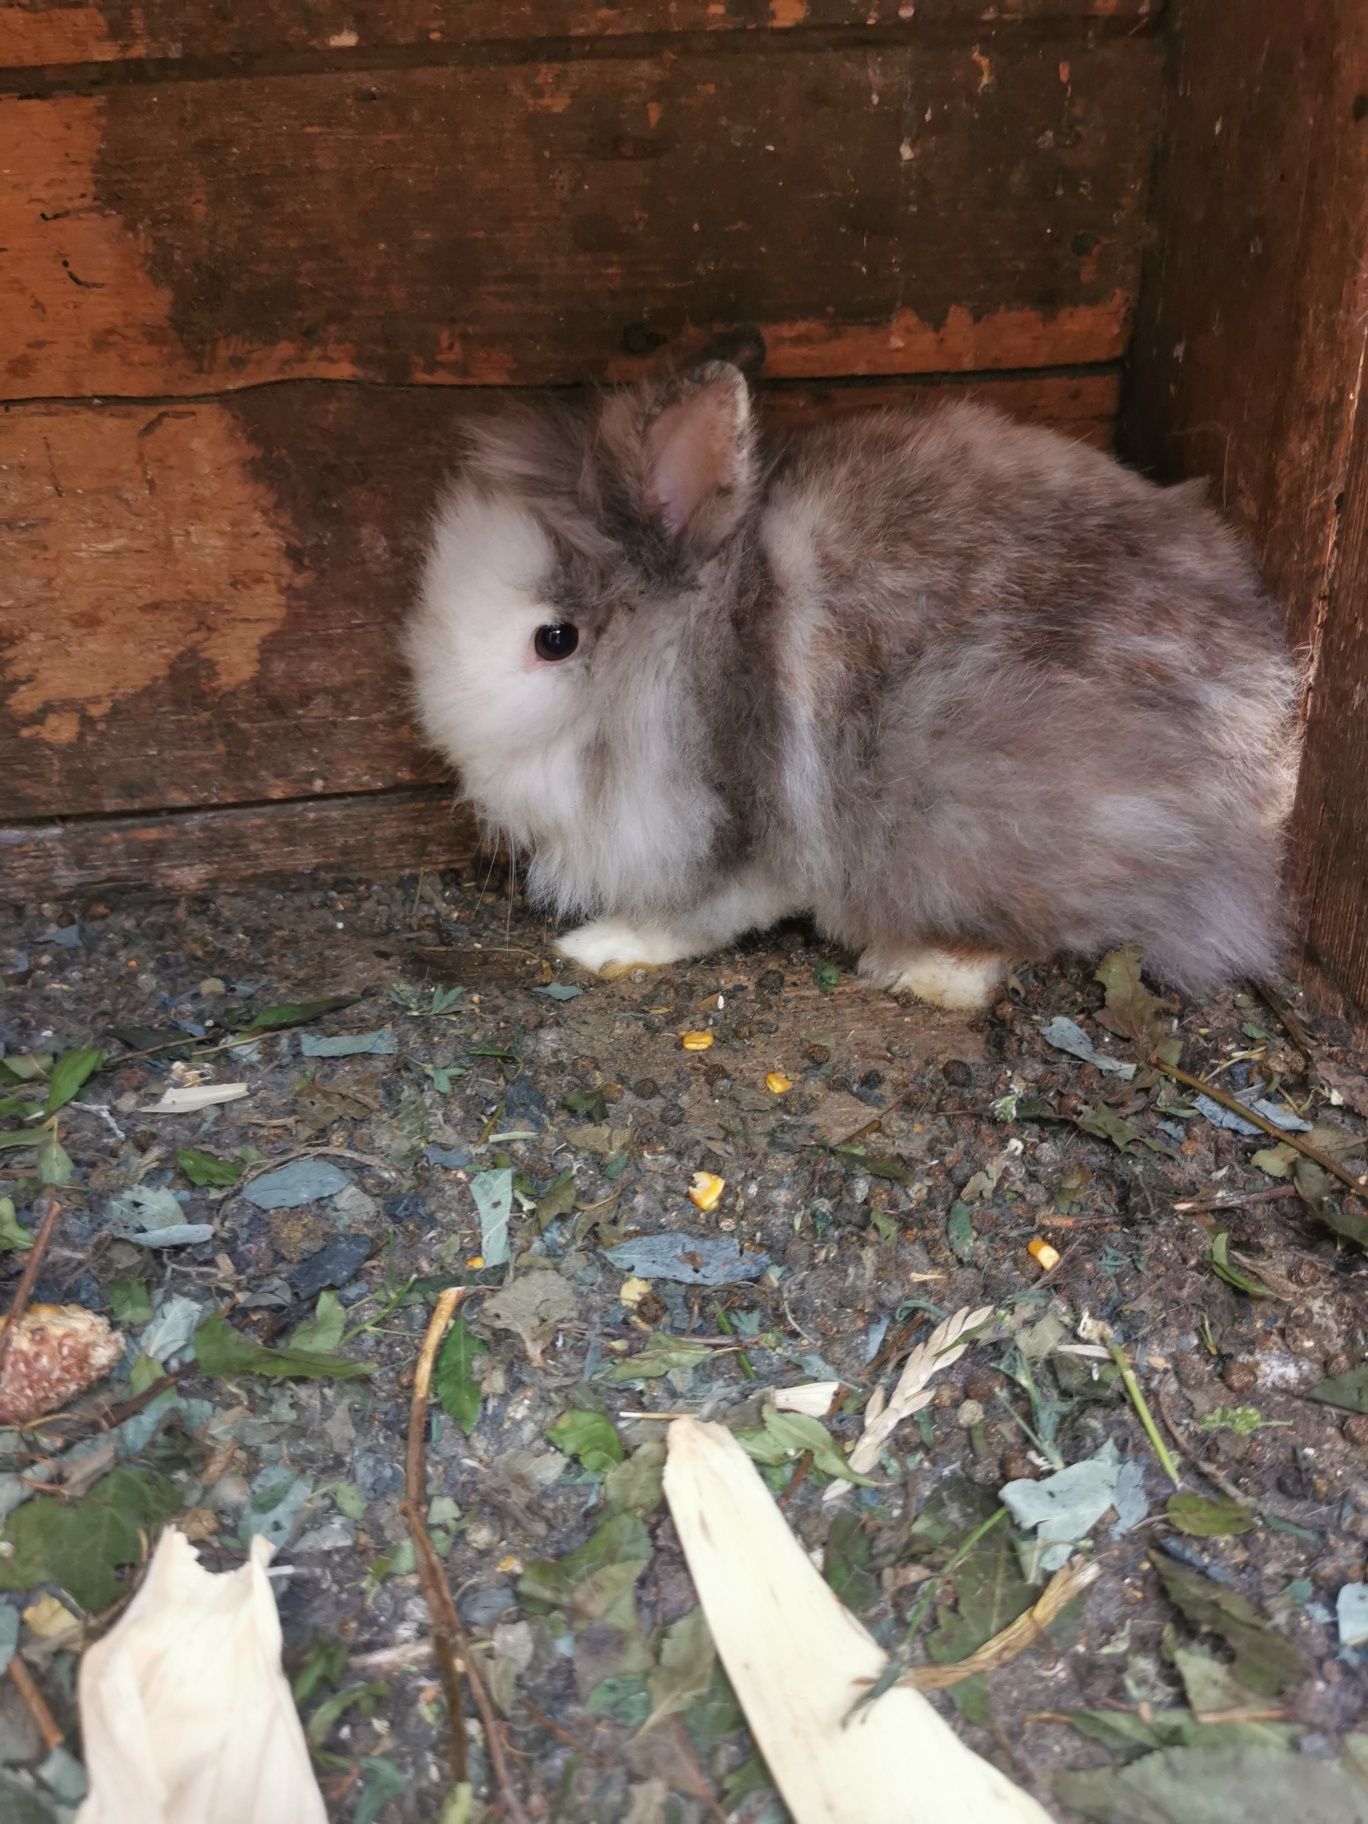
798, 1661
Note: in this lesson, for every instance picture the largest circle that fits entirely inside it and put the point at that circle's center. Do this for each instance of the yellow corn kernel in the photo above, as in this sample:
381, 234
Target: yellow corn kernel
778, 1084
633, 1290
474, 1262
695, 1041
511, 1564
1045, 1257
706, 1190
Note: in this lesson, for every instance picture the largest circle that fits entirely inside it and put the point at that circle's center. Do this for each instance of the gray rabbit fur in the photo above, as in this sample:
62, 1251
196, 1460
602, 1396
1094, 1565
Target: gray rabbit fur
961, 690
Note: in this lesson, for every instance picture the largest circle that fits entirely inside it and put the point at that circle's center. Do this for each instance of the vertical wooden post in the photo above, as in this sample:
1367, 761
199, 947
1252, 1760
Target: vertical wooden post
1248, 365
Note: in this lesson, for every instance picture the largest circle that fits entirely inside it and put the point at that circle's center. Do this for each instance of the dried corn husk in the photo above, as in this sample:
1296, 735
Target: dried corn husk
810, 1397
185, 1712
1025, 1631
57, 1352
798, 1661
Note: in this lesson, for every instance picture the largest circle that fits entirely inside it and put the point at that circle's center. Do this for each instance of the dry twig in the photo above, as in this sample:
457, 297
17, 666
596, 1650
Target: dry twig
44, 1721
1284, 1136
448, 1634
1008, 1642
28, 1279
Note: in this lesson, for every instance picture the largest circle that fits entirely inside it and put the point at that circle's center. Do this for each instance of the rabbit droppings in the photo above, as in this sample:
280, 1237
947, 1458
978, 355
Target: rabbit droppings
962, 690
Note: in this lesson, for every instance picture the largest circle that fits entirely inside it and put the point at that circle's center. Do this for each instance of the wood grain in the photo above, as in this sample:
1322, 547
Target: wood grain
1248, 366
362, 838
201, 599
54, 32
945, 206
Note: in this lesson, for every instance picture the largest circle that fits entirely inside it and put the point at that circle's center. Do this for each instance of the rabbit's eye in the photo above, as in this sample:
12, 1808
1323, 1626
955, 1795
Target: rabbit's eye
557, 641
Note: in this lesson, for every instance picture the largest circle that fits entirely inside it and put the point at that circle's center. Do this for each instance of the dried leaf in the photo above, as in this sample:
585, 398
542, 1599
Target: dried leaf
662, 1355
1063, 1508
959, 1232
454, 1382
1213, 1785
687, 1658
186, 1717
1348, 1391
1067, 1035
189, 1099
691, 1260
1265, 1660
380, 1043
1206, 1518
941, 1349
1351, 1614
291, 1186
534, 1306
1130, 1009
812, 1397
221, 1350
798, 1661
1233, 1275
493, 1194
635, 1486
785, 1435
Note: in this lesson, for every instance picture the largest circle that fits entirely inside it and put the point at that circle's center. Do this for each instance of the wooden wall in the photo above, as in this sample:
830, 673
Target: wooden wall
260, 259
1249, 366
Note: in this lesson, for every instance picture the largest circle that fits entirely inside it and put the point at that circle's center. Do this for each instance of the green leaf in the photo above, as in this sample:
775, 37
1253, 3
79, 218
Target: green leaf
221, 1350
1348, 1391
1242, 1420
129, 1302
588, 1436
959, 1232
587, 1102
295, 1013
637, 1486
791, 1434
208, 1168
81, 1545
13, 1234
1105, 1124
660, 1357
845, 1563
1206, 1518
54, 1162
20, 1137
458, 1392
384, 1783
687, 1658
1235, 1276
1277, 1161
826, 976
1212, 1785
19, 1105
360, 1697
70, 1071
324, 1663
324, 1330
493, 1194
1264, 1660
25, 1067
624, 1697
621, 1544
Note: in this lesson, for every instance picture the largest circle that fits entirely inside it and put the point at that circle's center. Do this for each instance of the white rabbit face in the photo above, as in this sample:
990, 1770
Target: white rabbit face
500, 673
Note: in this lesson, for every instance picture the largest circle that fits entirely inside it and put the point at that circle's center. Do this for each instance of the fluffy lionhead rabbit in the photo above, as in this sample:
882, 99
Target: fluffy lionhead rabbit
963, 691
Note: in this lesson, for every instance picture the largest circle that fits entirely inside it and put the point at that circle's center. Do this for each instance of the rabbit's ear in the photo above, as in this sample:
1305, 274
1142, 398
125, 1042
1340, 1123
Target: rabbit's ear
699, 458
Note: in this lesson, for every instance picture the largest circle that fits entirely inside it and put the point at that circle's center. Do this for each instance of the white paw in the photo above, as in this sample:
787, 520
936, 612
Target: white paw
938, 977
611, 944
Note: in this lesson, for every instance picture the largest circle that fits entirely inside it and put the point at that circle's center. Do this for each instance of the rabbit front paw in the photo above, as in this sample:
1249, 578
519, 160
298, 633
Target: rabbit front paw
611, 946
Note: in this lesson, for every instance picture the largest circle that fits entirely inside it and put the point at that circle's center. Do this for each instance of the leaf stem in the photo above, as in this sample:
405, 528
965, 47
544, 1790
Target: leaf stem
1146, 1417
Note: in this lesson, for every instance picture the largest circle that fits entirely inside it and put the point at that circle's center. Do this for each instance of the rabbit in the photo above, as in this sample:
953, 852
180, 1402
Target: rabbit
960, 690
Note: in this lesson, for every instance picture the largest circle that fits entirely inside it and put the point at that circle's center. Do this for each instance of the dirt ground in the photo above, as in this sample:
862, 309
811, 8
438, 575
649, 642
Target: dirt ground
900, 1177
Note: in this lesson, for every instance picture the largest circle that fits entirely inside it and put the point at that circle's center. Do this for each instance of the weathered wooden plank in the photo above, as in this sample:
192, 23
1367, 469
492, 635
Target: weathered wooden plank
365, 837
53, 32
930, 208
1248, 366
1332, 798
201, 600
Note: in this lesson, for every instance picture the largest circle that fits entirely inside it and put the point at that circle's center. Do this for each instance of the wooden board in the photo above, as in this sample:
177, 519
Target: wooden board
360, 838
1248, 366
55, 32
202, 598
936, 206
